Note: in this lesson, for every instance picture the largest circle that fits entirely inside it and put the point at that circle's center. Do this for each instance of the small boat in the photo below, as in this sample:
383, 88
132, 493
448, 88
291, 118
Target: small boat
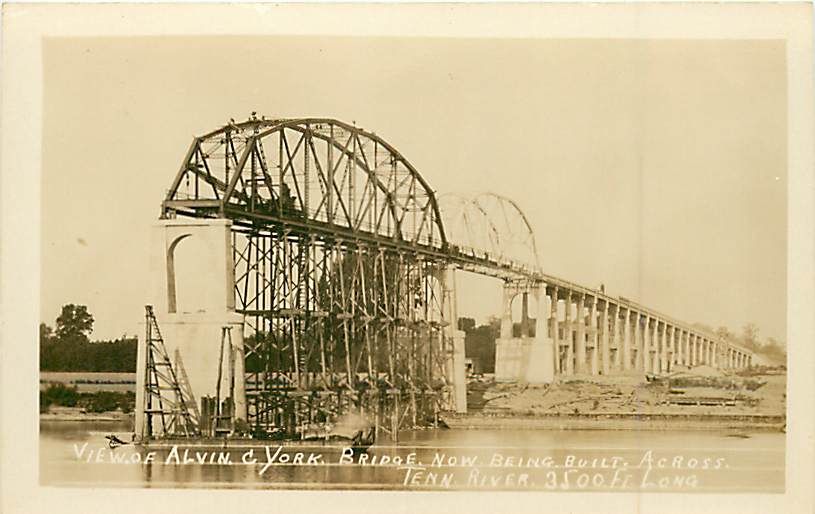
114, 441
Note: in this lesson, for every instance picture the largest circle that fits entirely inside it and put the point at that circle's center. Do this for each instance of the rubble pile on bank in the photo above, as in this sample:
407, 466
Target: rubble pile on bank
699, 390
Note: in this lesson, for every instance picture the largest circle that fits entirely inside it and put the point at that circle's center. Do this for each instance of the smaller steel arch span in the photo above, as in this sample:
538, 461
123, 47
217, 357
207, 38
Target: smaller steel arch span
492, 223
520, 212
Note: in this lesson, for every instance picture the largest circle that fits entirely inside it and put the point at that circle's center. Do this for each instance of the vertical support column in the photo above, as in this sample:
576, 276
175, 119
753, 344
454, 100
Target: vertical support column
616, 339
554, 329
693, 356
702, 342
688, 349
656, 347
703, 346
626, 328
673, 358
663, 354
456, 361
606, 336
506, 313
541, 367
580, 356
594, 337
705, 350
715, 354
680, 354
525, 323
568, 334
645, 354
692, 344
636, 341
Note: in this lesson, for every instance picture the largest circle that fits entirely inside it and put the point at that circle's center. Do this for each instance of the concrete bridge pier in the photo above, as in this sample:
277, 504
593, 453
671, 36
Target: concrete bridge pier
593, 342
541, 369
645, 351
456, 365
694, 351
580, 334
568, 336
626, 337
554, 329
655, 347
614, 340
530, 357
606, 338
195, 331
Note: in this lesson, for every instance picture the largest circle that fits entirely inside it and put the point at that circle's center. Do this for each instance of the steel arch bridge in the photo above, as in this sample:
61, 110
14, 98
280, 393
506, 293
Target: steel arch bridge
343, 269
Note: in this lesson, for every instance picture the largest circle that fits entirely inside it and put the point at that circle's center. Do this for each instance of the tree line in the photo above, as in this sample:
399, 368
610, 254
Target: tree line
67, 346
771, 349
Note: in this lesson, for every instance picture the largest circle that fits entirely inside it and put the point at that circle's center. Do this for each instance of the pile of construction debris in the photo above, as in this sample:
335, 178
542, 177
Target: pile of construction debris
694, 390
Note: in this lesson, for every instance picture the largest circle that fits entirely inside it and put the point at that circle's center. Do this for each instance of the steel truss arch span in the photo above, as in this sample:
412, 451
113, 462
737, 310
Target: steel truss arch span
333, 175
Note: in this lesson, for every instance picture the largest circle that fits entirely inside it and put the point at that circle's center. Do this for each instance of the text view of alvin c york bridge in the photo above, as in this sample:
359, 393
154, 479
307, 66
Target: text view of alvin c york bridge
330, 267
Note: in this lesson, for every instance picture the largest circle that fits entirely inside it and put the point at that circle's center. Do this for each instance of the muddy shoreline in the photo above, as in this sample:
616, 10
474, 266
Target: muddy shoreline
617, 421
78, 415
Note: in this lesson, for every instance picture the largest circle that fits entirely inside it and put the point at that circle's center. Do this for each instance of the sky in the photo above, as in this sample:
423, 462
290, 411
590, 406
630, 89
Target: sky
654, 167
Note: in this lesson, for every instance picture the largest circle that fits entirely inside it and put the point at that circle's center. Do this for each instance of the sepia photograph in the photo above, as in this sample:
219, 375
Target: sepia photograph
365, 260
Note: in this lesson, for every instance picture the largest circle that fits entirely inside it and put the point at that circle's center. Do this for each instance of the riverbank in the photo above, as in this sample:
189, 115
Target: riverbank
56, 413
688, 398
617, 421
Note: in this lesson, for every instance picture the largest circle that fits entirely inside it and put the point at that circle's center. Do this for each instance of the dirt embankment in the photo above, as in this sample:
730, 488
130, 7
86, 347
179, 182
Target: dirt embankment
700, 391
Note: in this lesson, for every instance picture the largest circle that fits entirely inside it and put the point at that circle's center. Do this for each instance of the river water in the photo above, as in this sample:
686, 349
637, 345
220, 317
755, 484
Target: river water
76, 454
